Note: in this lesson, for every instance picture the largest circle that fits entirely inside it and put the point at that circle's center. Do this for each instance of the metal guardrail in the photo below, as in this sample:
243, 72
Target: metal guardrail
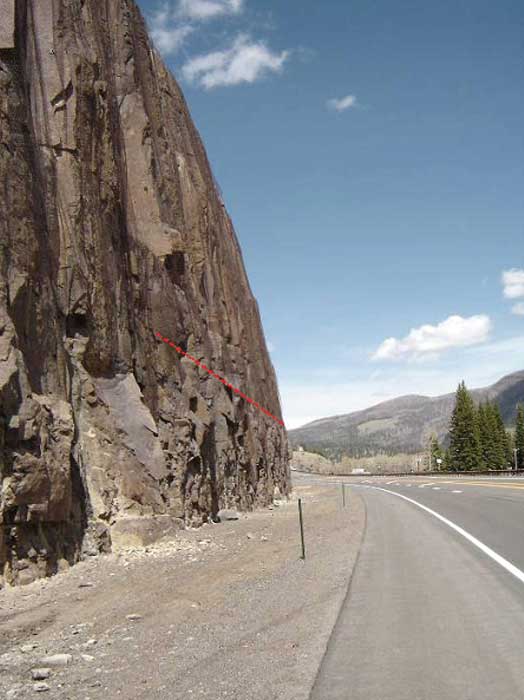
490, 472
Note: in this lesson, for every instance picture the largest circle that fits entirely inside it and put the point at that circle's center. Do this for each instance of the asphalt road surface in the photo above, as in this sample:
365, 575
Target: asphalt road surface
435, 610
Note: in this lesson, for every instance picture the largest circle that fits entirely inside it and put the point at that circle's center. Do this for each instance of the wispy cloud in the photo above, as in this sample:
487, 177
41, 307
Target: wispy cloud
341, 104
503, 349
454, 332
513, 283
203, 10
173, 22
305, 402
518, 309
245, 61
167, 32
328, 395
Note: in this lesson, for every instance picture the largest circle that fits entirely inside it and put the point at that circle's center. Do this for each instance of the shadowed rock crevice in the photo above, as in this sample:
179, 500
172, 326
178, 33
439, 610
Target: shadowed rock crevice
111, 229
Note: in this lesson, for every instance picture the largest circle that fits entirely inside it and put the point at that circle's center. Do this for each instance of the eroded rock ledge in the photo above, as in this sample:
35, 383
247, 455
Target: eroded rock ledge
111, 228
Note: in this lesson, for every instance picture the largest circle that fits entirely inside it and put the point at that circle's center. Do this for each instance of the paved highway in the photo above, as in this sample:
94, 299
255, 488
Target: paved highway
435, 610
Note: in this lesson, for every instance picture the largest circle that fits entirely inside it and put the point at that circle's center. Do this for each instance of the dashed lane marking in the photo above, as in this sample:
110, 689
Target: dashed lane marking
504, 563
515, 487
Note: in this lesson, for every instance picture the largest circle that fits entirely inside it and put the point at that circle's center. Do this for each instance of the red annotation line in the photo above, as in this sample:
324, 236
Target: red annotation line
217, 376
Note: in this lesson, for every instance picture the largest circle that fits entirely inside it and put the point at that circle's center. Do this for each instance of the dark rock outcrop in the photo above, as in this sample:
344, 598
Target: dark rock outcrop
112, 229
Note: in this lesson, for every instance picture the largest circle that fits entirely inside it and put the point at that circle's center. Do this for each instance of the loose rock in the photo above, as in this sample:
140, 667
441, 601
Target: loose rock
41, 687
56, 660
40, 674
225, 515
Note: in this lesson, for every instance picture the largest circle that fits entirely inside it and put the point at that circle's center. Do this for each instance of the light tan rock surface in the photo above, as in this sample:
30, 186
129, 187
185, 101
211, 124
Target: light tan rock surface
7, 24
111, 229
304, 461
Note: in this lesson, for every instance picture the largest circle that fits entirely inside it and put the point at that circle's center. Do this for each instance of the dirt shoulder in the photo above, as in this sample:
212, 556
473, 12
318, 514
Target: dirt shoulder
226, 611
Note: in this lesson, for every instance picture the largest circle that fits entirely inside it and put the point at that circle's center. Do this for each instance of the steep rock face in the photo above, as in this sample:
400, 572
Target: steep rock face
111, 229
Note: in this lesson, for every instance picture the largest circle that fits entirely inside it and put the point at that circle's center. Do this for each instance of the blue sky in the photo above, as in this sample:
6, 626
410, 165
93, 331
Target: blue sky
371, 155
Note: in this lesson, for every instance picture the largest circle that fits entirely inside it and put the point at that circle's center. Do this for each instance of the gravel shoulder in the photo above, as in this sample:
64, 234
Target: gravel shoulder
226, 611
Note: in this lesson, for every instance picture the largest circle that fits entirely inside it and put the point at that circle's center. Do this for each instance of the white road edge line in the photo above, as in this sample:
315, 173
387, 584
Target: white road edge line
504, 563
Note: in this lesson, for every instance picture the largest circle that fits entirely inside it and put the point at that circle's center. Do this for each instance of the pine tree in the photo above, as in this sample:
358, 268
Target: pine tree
485, 435
494, 443
519, 437
464, 445
447, 460
436, 453
509, 443
503, 459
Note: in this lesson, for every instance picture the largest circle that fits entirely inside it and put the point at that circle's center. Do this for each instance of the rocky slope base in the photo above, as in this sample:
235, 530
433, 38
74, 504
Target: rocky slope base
228, 611
111, 229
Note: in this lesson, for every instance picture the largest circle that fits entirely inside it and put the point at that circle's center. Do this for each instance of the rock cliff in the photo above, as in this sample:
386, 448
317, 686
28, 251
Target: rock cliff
111, 230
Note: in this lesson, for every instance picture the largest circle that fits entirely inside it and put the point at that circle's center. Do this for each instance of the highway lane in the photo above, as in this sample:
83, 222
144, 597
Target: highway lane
428, 615
491, 511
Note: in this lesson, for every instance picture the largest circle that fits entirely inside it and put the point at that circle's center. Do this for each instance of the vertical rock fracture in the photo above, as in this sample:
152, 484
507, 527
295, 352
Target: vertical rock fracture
112, 228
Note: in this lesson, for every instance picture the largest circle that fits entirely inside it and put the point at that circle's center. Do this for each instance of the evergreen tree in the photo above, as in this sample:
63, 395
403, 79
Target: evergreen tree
446, 464
519, 437
494, 443
485, 436
510, 444
464, 445
436, 453
503, 459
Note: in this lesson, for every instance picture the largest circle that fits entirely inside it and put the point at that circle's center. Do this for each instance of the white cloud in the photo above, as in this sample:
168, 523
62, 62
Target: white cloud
303, 403
202, 10
323, 396
503, 349
244, 62
513, 281
173, 23
168, 34
271, 346
518, 309
454, 332
340, 104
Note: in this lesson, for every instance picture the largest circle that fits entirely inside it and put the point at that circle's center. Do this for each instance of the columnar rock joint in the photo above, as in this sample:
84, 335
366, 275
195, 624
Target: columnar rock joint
111, 229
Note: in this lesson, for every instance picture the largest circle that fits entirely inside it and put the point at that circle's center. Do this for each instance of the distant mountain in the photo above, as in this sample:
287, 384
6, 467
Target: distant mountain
401, 425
